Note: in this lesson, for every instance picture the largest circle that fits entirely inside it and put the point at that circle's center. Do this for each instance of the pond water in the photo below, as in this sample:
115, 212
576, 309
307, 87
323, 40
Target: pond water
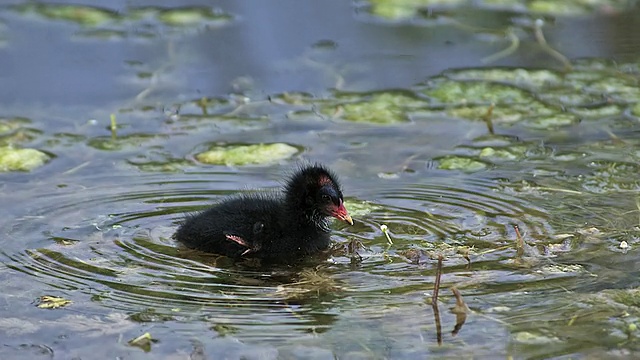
460, 125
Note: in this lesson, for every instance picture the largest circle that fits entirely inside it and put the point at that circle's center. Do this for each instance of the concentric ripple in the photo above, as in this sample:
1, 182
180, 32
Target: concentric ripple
113, 244
109, 249
473, 209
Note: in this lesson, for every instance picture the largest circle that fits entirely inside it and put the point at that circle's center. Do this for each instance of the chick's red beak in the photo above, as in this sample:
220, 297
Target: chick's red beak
340, 212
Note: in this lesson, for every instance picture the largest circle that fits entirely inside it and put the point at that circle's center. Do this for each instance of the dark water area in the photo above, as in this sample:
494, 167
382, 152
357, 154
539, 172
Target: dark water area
456, 146
276, 46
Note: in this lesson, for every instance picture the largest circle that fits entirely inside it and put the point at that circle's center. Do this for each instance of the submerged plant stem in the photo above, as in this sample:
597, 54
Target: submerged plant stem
114, 126
537, 31
487, 118
385, 230
515, 43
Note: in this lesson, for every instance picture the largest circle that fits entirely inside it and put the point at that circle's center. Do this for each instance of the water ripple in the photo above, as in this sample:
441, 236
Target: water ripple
470, 209
113, 244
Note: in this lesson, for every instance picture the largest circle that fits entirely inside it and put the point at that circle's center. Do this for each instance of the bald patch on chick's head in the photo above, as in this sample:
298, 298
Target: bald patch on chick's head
325, 181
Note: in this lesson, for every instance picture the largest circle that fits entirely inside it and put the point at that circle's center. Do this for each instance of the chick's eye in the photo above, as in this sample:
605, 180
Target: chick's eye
257, 227
326, 198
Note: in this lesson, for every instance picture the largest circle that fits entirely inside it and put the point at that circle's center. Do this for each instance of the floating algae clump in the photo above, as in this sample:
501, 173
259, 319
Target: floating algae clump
460, 163
247, 154
192, 16
83, 15
21, 159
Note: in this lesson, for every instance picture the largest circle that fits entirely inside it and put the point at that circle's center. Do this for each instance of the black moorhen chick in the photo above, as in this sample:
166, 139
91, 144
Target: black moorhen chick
271, 226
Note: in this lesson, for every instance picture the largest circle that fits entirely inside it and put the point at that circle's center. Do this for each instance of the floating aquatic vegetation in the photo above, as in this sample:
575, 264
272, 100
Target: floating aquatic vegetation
575, 7
628, 297
292, 98
533, 79
500, 114
221, 124
453, 162
375, 113
394, 10
636, 110
546, 122
568, 96
310, 283
65, 140
224, 329
254, 154
125, 142
193, 16
143, 341
475, 92
21, 159
52, 302
360, 208
539, 99
533, 338
409, 9
83, 15
610, 176
64, 241
598, 112
189, 16
149, 315
561, 269
504, 153
158, 161
388, 107
104, 23
14, 130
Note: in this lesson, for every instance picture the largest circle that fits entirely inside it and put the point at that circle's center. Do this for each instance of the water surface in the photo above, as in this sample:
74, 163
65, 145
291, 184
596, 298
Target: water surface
94, 224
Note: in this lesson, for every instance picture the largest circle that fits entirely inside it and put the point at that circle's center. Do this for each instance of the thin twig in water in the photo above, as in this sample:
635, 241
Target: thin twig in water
434, 301
519, 242
436, 286
436, 317
76, 168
